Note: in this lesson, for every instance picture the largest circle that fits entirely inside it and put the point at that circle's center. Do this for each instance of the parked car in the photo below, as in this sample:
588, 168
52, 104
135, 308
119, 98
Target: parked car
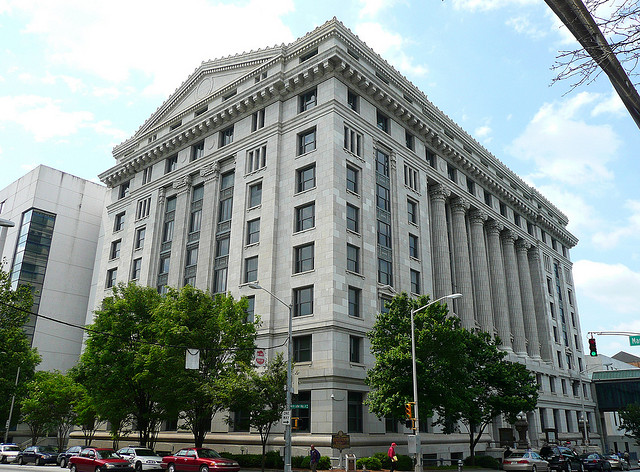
617, 462
198, 459
8, 452
561, 458
529, 461
141, 458
63, 457
98, 459
39, 455
595, 461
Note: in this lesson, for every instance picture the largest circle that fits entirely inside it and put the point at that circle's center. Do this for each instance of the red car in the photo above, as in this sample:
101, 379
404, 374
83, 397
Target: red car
99, 459
198, 459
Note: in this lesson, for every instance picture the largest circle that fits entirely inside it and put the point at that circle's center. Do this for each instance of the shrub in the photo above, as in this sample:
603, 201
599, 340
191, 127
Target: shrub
324, 463
484, 461
404, 463
370, 463
384, 459
273, 460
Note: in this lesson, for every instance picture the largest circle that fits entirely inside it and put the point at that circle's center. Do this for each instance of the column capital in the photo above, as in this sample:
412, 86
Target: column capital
508, 237
211, 171
477, 216
534, 253
459, 204
438, 192
522, 245
162, 193
182, 184
494, 227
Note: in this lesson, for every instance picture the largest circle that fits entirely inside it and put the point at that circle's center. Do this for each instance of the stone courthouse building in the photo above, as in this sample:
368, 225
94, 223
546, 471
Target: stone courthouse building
319, 171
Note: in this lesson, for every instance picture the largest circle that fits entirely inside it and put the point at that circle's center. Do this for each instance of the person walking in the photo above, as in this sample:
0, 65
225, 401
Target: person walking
314, 455
392, 456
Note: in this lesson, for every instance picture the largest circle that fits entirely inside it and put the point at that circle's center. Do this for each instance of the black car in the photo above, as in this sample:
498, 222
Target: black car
562, 459
595, 461
63, 457
39, 455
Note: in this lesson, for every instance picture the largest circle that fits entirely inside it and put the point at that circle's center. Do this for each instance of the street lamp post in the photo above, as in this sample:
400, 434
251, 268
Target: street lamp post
415, 376
287, 430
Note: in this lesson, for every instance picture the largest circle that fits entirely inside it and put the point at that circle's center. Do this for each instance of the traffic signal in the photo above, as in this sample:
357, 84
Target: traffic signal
408, 409
592, 347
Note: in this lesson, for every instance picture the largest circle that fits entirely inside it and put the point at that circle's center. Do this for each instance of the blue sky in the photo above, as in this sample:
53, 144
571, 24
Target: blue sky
78, 77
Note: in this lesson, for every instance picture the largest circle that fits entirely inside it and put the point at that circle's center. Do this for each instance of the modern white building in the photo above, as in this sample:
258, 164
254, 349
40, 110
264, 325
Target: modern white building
319, 171
52, 247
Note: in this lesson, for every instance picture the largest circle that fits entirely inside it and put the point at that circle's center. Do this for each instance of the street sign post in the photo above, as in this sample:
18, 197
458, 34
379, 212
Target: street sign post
634, 340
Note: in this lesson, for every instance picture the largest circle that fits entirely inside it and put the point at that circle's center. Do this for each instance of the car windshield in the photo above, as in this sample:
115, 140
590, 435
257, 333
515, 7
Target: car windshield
107, 454
515, 455
145, 452
11, 448
48, 449
208, 454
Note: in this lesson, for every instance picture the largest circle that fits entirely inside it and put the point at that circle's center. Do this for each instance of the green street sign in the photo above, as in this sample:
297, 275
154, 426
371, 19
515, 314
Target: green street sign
299, 406
634, 340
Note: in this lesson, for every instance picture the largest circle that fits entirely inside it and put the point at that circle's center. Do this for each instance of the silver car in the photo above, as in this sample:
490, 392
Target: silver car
141, 458
521, 461
8, 453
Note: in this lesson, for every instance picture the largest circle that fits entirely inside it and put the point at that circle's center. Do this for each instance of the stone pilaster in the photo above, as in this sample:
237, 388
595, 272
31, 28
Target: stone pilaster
528, 307
482, 288
514, 298
462, 263
207, 243
540, 304
180, 228
440, 242
498, 285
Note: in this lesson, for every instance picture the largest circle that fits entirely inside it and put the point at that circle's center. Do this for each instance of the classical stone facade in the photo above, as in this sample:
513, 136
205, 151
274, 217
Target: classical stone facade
319, 171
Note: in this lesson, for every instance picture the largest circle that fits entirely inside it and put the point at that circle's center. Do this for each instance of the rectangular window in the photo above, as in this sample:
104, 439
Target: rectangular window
384, 234
353, 218
384, 272
253, 231
516, 218
305, 217
353, 258
415, 281
382, 121
256, 158
414, 250
251, 306
136, 268
171, 164
111, 277
308, 55
197, 150
175, 125
383, 197
191, 280
303, 257
354, 412
306, 141
409, 140
487, 198
451, 172
503, 209
226, 136
257, 120
303, 301
250, 269
118, 222
353, 141
353, 101
552, 384
139, 238
355, 349
164, 264
352, 179
559, 359
192, 256
305, 178
146, 174
228, 95
411, 178
570, 297
143, 208
307, 100
382, 163
471, 186
123, 191
412, 212
220, 280
200, 111
255, 195
167, 231
354, 301
430, 156
115, 249
302, 348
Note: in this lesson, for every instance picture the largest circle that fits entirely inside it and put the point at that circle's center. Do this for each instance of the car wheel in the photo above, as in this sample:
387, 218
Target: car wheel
534, 469
38, 461
21, 460
63, 462
98, 469
171, 468
138, 466
3, 460
204, 468
74, 468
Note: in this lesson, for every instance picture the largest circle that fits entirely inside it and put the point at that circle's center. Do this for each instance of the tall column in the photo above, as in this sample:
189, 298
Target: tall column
498, 284
211, 174
462, 262
440, 242
526, 291
514, 300
540, 304
176, 273
482, 288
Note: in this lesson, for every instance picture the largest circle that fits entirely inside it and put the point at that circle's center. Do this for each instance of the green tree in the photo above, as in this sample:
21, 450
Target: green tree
630, 417
218, 328
262, 396
15, 348
120, 373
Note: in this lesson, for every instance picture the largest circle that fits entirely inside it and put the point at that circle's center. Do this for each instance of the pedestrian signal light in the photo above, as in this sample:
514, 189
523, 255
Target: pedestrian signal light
408, 409
295, 423
592, 347
410, 423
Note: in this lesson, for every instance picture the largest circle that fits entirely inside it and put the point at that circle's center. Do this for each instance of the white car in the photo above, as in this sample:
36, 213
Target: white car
141, 458
8, 453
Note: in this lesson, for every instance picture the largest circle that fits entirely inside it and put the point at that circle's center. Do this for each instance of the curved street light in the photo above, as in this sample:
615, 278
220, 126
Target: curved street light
452, 296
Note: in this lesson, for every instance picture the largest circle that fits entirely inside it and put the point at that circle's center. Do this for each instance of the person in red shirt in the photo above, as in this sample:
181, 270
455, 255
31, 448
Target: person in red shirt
392, 456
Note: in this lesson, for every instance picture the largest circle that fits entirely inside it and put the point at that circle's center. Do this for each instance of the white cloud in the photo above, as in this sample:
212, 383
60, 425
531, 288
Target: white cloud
45, 119
615, 286
583, 218
631, 229
482, 132
486, 5
613, 105
523, 25
169, 42
391, 46
370, 8
562, 145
